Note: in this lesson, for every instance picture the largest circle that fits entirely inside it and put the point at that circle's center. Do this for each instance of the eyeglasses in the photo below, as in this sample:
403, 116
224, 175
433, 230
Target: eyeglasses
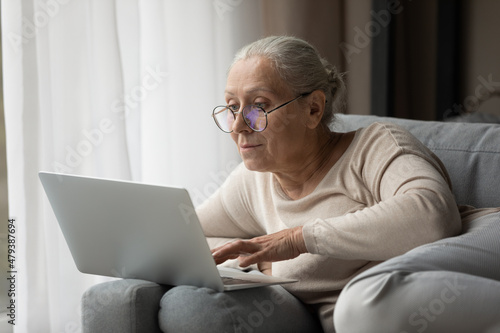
255, 117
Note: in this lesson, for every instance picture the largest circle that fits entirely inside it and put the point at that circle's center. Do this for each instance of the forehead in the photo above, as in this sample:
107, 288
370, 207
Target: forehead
253, 75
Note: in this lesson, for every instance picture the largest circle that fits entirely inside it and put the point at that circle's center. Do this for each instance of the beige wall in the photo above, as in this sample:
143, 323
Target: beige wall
326, 24
357, 64
318, 21
480, 55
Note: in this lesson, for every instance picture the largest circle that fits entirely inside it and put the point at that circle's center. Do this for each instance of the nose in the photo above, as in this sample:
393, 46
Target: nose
239, 124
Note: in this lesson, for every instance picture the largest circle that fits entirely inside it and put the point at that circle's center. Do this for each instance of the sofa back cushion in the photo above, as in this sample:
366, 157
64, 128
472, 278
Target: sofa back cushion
470, 152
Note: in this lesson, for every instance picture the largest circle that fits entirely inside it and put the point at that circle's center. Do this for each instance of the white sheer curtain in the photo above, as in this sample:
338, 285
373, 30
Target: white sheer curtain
109, 88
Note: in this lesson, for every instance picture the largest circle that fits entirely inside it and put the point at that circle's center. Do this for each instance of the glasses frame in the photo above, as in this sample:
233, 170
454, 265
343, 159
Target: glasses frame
249, 106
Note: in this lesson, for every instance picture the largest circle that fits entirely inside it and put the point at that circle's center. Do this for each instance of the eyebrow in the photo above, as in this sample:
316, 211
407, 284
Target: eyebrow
253, 90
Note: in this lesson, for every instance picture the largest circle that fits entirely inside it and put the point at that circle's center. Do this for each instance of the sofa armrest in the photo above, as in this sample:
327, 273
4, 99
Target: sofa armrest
122, 306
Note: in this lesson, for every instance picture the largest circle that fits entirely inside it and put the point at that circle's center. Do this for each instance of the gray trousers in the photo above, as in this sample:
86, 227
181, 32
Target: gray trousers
452, 285
266, 309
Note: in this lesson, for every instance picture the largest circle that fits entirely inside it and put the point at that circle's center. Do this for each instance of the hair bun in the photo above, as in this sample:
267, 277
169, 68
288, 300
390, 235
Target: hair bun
333, 77
302, 68
332, 73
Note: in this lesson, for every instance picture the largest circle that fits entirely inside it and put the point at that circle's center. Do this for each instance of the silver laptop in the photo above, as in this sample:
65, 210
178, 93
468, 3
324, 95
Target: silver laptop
133, 230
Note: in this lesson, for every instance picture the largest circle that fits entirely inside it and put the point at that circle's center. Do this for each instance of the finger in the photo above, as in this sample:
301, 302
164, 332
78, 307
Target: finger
265, 267
220, 260
218, 249
255, 258
230, 251
236, 248
215, 249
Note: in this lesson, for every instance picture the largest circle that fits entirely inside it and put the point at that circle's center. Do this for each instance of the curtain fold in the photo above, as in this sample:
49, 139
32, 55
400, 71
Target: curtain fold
114, 89
119, 89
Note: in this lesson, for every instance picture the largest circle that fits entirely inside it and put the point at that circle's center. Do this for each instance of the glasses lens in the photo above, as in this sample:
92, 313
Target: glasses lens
255, 117
224, 118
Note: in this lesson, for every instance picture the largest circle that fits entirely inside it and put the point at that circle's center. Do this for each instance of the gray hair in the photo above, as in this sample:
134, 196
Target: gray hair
302, 68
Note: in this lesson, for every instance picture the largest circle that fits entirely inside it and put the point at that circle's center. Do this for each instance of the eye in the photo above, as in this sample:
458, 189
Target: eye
261, 104
233, 107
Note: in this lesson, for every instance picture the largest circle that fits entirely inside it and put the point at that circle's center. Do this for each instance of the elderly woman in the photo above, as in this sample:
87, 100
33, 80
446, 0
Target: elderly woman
306, 203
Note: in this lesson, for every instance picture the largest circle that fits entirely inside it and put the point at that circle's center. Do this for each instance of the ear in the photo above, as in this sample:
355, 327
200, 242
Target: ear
316, 108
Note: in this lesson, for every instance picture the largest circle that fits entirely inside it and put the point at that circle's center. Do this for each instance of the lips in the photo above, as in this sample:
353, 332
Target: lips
248, 146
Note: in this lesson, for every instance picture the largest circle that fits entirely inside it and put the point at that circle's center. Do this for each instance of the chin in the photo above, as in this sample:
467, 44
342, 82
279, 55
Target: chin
253, 165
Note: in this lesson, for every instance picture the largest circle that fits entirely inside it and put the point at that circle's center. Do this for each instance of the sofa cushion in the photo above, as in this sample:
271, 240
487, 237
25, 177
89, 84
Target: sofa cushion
122, 306
470, 152
456, 280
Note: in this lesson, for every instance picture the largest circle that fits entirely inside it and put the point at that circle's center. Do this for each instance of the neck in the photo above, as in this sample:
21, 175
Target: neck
301, 179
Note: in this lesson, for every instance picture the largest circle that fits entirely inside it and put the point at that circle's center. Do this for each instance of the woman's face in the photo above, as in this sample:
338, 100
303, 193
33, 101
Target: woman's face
281, 146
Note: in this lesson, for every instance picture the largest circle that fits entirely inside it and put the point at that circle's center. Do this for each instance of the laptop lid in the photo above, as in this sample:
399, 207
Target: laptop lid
131, 230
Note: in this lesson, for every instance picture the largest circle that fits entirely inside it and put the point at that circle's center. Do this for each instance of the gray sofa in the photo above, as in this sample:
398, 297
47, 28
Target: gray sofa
470, 151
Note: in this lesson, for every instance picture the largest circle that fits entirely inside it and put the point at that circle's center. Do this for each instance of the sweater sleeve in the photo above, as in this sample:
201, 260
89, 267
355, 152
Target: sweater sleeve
413, 205
226, 215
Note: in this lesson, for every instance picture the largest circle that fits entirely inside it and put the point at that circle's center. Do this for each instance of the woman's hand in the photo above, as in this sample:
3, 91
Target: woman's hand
282, 245
266, 267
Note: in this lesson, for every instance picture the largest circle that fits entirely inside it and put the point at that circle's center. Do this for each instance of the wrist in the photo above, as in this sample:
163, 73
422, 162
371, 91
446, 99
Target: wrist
299, 241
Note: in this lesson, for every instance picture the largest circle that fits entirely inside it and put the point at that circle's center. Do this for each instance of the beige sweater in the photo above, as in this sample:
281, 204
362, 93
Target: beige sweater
386, 195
